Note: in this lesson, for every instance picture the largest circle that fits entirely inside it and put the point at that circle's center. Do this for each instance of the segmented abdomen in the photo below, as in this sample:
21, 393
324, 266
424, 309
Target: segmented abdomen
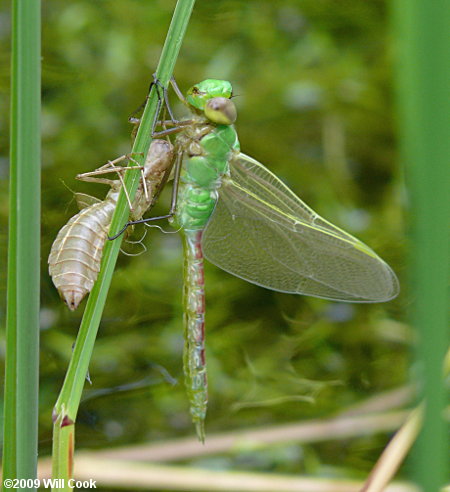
74, 260
194, 324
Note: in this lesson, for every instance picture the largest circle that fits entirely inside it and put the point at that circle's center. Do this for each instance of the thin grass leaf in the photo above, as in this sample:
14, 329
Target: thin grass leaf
423, 75
22, 337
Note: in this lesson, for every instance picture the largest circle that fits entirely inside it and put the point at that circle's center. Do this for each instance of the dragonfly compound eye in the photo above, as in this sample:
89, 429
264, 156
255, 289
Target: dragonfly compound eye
221, 110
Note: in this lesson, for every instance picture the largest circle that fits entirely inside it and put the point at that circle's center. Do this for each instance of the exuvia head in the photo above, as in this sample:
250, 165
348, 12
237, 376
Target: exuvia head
212, 97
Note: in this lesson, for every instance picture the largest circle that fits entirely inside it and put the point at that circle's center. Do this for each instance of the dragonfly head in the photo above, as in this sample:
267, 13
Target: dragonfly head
213, 98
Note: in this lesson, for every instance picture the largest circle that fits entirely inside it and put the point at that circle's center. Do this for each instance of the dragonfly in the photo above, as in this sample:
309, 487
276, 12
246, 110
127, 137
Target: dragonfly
76, 253
241, 217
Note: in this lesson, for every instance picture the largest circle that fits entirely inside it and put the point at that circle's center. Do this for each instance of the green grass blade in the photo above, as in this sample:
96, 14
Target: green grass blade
68, 402
423, 88
21, 385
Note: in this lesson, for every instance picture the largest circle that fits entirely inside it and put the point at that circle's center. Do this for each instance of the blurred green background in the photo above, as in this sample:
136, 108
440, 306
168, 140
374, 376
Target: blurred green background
315, 105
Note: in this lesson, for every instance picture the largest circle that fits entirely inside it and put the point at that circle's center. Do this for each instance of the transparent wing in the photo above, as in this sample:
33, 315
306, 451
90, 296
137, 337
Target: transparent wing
262, 232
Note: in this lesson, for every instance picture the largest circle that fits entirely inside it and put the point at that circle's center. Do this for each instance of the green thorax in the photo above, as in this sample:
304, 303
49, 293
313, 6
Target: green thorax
208, 150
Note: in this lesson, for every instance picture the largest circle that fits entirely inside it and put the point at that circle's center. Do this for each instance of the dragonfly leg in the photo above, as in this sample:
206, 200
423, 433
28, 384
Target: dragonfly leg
165, 97
124, 188
92, 179
105, 170
176, 125
128, 156
110, 167
165, 92
144, 185
135, 121
176, 182
178, 92
141, 221
173, 205
168, 131
154, 82
158, 108
120, 171
157, 83
110, 182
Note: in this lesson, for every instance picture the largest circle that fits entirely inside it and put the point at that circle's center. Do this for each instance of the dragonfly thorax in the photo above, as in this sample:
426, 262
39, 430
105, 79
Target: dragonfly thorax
208, 149
189, 139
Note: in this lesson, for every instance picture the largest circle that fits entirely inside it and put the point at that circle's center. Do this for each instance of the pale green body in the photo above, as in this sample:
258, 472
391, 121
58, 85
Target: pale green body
245, 220
208, 149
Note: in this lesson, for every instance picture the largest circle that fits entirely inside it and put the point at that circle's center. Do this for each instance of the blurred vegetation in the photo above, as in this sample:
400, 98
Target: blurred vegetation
314, 87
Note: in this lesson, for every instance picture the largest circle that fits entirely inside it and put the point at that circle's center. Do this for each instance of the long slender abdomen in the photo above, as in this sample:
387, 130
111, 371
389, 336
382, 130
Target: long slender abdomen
75, 256
194, 325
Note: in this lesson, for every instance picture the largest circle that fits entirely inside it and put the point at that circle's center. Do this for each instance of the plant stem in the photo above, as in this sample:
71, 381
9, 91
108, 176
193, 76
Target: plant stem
66, 407
22, 333
423, 76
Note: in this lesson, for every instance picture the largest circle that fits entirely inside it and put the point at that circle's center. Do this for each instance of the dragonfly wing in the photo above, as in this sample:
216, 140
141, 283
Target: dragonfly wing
262, 232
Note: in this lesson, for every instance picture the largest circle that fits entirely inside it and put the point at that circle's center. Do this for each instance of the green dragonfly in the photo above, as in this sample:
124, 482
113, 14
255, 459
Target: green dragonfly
241, 217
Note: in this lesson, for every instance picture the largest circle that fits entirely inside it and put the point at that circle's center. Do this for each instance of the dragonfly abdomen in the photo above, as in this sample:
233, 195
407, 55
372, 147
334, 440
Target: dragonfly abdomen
197, 205
194, 322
